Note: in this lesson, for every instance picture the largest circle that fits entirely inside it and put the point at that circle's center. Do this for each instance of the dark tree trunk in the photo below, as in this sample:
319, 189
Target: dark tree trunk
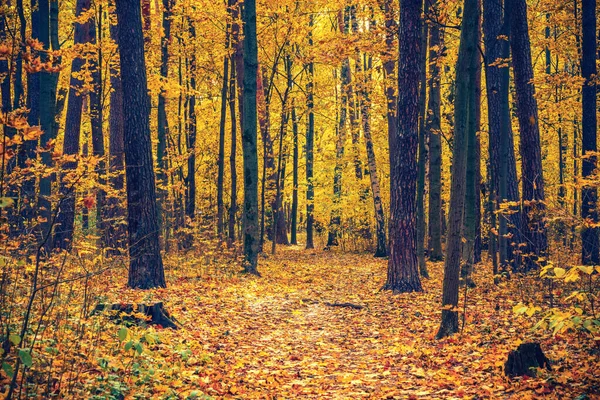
533, 209
465, 93
503, 186
221, 156
97, 117
145, 264
433, 129
250, 56
403, 271
589, 194
47, 114
279, 226
471, 212
190, 193
294, 211
115, 213
232, 154
422, 159
310, 142
63, 231
162, 122
477, 158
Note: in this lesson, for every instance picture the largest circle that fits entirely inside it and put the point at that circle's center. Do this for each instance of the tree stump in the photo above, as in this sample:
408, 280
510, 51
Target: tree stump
525, 360
124, 313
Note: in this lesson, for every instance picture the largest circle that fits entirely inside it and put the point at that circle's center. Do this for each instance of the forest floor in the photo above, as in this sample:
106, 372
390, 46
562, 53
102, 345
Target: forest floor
285, 336
279, 337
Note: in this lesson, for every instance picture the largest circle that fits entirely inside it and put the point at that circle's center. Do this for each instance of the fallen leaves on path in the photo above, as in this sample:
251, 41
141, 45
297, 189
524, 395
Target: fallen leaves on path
278, 337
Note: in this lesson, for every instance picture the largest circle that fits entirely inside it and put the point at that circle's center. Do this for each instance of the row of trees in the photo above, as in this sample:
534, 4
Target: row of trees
345, 73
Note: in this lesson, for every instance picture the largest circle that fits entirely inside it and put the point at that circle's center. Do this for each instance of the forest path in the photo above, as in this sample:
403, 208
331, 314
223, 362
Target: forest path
276, 337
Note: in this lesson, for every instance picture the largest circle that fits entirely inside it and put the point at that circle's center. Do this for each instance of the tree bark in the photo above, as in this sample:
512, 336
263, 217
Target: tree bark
223, 120
294, 211
503, 185
232, 153
589, 194
145, 263
97, 118
336, 212
115, 230
465, 93
310, 143
403, 272
365, 107
422, 159
190, 194
533, 208
249, 120
433, 128
162, 120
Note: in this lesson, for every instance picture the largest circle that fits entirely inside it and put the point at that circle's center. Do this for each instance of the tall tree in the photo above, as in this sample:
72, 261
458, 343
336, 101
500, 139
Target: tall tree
162, 121
249, 120
465, 94
47, 114
340, 138
533, 209
422, 158
294, 211
503, 185
223, 120
310, 142
403, 272
116, 231
97, 118
433, 128
191, 131
145, 261
365, 110
232, 153
589, 194
63, 233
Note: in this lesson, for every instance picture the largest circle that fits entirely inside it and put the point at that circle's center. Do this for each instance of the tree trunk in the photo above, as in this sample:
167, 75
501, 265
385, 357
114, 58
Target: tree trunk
47, 114
145, 263
250, 56
97, 117
190, 194
279, 226
433, 129
221, 156
403, 272
232, 153
294, 211
162, 120
465, 93
422, 159
310, 143
63, 232
589, 194
477, 158
336, 212
365, 107
533, 209
503, 173
115, 213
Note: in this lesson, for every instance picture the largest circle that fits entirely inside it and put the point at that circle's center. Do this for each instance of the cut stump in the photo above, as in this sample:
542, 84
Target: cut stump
124, 313
525, 360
